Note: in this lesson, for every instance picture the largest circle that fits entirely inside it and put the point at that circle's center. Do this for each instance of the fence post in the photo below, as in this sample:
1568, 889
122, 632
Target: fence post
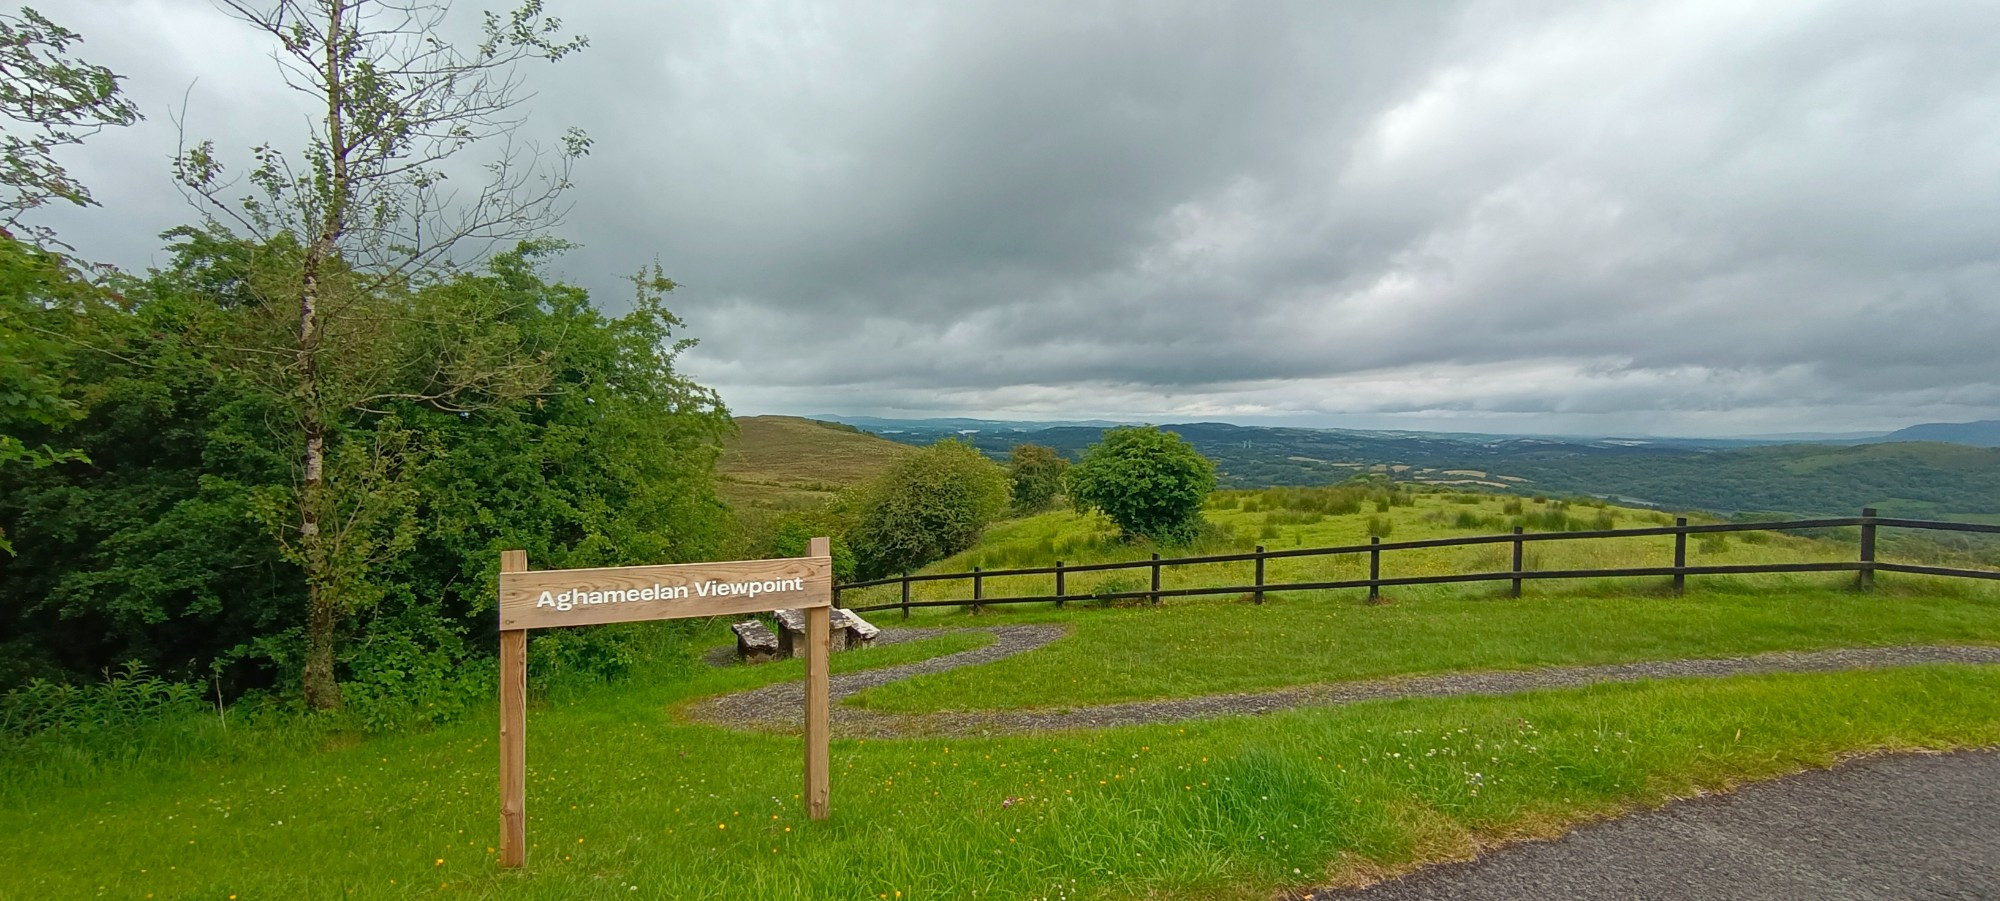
1374, 569
1156, 579
1680, 554
906, 594
1260, 574
1867, 548
1059, 585
1517, 561
978, 588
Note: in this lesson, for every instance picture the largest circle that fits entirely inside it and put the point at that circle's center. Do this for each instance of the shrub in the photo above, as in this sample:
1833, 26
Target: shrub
929, 506
1380, 526
794, 535
1151, 483
1037, 475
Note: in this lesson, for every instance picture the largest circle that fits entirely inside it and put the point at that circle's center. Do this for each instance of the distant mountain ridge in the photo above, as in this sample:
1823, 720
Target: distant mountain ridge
1722, 475
1984, 433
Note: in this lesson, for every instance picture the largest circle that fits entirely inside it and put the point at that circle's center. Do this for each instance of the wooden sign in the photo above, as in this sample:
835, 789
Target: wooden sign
583, 597
588, 597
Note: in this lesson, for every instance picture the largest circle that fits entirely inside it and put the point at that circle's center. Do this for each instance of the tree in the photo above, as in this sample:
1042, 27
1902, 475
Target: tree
54, 101
344, 239
154, 550
1037, 474
930, 505
1150, 482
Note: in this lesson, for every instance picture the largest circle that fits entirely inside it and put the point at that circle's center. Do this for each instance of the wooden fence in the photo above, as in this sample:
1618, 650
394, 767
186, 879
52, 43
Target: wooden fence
1865, 565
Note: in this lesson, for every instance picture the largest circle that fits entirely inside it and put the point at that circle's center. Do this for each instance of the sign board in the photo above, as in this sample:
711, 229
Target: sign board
540, 599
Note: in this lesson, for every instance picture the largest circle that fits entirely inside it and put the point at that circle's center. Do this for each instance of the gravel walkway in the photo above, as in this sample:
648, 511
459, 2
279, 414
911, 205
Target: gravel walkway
1909, 826
780, 708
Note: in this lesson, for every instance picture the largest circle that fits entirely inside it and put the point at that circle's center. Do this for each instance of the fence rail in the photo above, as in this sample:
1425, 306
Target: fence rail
1865, 565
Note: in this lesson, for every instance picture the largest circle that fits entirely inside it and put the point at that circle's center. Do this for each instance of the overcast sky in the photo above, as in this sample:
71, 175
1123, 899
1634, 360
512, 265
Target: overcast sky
1667, 217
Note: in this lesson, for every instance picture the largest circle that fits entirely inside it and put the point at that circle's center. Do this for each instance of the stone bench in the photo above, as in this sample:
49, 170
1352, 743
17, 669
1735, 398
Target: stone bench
754, 642
845, 630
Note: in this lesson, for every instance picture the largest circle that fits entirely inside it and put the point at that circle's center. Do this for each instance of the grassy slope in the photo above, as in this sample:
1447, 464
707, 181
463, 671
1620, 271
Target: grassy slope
779, 463
621, 796
625, 801
1203, 646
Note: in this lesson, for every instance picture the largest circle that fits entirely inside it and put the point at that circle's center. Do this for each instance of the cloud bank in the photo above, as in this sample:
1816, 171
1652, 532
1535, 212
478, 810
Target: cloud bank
1679, 217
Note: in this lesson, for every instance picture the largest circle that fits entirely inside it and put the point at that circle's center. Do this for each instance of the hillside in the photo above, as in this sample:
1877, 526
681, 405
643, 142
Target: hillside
778, 463
1985, 433
1908, 478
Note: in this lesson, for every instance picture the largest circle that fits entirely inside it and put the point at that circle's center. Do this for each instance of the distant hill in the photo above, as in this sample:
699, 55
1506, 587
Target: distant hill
1916, 479
779, 463
1985, 433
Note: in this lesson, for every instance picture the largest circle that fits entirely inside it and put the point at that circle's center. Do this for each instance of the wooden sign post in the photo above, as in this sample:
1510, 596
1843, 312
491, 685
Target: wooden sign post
531, 599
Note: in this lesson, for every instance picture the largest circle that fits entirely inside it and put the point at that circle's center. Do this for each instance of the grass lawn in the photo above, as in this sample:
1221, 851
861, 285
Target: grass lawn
627, 801
624, 802
1188, 648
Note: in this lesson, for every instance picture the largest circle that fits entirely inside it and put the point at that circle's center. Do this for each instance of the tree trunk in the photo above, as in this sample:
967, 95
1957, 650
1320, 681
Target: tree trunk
322, 691
322, 611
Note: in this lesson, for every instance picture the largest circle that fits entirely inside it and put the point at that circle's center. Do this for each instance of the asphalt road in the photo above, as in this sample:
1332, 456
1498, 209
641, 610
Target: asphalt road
1905, 827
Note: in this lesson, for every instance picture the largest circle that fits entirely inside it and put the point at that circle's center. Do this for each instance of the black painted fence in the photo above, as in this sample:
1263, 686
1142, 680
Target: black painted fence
1864, 564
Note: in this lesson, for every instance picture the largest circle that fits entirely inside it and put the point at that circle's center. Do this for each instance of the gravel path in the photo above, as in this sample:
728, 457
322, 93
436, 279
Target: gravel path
1914, 826
779, 707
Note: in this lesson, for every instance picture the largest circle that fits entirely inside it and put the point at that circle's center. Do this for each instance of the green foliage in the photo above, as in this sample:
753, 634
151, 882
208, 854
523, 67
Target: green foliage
1037, 475
928, 506
1150, 482
126, 698
52, 101
793, 537
159, 549
1381, 526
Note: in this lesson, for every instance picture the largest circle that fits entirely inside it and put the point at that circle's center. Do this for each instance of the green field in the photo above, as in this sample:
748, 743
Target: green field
1244, 519
628, 799
625, 802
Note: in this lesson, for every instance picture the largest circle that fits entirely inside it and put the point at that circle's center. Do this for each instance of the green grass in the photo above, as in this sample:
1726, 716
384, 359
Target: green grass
627, 800
1195, 646
620, 795
1186, 649
1244, 519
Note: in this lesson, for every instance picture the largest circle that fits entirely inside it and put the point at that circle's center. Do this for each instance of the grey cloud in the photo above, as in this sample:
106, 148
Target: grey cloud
1694, 216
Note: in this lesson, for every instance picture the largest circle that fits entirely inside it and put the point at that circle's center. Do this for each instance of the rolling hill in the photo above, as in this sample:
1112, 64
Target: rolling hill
1901, 478
775, 464
1985, 433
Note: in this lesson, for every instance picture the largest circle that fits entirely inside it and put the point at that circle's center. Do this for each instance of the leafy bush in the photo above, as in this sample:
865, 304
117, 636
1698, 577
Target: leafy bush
793, 537
930, 505
1150, 482
1037, 476
127, 698
1380, 526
